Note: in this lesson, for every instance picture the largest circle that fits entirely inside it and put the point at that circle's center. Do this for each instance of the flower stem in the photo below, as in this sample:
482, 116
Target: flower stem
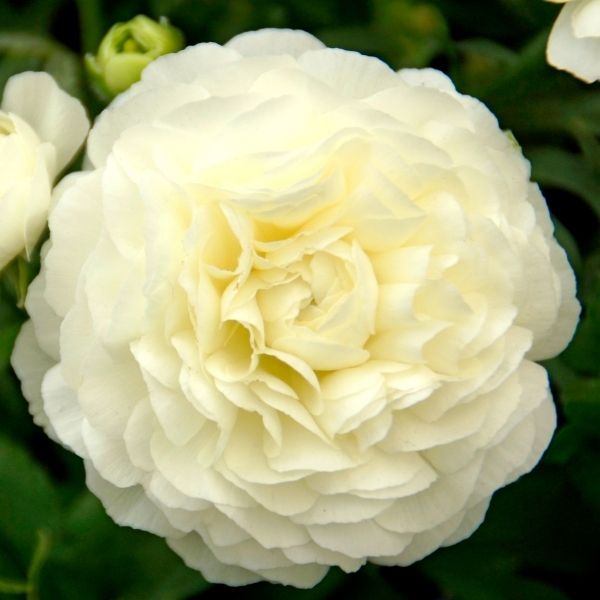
91, 24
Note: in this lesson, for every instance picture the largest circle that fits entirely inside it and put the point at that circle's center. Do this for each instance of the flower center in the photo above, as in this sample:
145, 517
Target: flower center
132, 46
309, 297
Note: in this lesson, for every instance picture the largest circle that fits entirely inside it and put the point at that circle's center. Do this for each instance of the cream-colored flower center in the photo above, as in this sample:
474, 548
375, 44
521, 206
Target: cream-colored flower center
312, 296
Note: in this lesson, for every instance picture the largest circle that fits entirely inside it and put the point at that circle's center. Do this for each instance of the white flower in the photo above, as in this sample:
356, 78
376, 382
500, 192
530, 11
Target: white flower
288, 317
41, 128
574, 43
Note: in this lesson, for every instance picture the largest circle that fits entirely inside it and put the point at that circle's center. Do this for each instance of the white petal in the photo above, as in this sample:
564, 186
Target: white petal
249, 554
128, 506
183, 67
380, 472
109, 457
556, 337
586, 19
45, 321
274, 41
428, 77
342, 508
180, 467
446, 497
471, 520
565, 51
351, 74
287, 498
31, 364
109, 389
62, 408
54, 115
24, 209
75, 223
300, 576
269, 530
134, 109
141, 421
313, 553
422, 544
359, 540
196, 555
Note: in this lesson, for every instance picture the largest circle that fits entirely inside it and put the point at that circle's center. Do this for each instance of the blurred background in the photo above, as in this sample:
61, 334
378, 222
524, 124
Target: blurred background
541, 538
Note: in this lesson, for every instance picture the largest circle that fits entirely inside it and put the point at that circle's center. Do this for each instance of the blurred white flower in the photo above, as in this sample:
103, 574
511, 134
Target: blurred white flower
41, 128
574, 42
288, 317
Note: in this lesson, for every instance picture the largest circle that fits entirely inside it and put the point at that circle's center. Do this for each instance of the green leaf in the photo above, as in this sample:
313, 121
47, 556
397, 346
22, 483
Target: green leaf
404, 32
36, 15
141, 565
28, 502
585, 471
10, 586
555, 167
582, 404
8, 335
325, 589
536, 531
481, 63
503, 19
581, 356
22, 51
569, 441
178, 582
90, 23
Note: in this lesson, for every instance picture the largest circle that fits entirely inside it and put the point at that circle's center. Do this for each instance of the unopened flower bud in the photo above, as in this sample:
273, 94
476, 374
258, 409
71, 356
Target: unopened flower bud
126, 50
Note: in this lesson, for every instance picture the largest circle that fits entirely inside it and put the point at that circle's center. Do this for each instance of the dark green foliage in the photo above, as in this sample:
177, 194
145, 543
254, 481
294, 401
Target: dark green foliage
541, 538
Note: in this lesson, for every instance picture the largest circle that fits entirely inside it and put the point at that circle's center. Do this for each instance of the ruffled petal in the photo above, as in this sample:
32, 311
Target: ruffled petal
274, 41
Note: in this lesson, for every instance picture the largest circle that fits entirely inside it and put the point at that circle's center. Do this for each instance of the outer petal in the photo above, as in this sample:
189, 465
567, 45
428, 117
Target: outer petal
182, 67
556, 338
274, 41
30, 363
586, 19
351, 74
567, 52
196, 555
54, 115
133, 109
428, 77
12, 225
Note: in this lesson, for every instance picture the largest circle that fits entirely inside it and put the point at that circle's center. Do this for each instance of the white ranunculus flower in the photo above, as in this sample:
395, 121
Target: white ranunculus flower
574, 43
289, 315
41, 128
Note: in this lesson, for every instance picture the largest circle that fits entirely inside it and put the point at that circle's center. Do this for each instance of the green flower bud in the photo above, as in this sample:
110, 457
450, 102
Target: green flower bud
126, 49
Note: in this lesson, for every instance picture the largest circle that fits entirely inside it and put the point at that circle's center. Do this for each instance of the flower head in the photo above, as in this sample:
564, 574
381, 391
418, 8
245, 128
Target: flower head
127, 49
289, 315
574, 43
41, 128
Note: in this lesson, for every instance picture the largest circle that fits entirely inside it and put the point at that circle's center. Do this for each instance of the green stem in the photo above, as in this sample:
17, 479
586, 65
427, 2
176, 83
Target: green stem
91, 24
37, 562
11, 586
22, 281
